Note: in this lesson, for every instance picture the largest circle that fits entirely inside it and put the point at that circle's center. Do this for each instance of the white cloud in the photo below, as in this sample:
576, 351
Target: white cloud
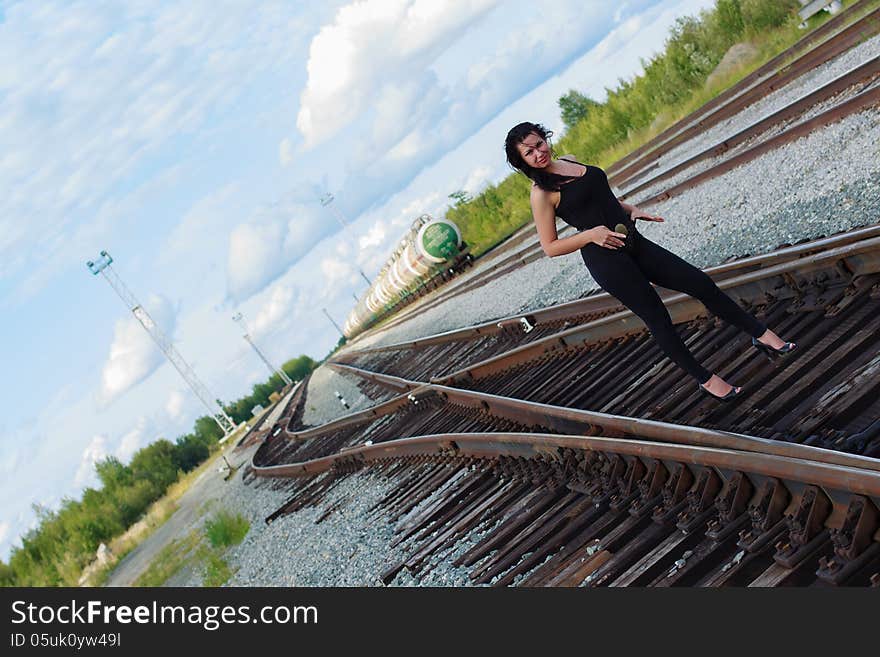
133, 354
94, 452
274, 238
274, 311
336, 271
375, 53
404, 84
374, 237
201, 222
133, 440
174, 404
4, 531
255, 257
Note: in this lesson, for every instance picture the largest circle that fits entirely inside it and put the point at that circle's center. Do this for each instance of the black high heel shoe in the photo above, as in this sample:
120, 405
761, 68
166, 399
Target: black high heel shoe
772, 353
735, 391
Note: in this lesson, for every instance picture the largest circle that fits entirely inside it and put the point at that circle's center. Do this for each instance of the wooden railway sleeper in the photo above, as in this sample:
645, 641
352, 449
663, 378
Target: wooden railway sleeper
533, 501
631, 552
853, 528
805, 519
859, 385
516, 544
853, 292
458, 512
548, 539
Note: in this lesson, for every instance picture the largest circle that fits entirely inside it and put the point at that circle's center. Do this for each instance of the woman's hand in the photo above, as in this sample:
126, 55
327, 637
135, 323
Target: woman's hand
602, 236
641, 214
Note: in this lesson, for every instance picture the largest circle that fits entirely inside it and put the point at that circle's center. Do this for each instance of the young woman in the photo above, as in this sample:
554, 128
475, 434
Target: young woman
623, 262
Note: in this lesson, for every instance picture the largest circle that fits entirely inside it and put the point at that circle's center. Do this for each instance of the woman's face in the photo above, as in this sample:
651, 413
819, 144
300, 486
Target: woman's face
535, 151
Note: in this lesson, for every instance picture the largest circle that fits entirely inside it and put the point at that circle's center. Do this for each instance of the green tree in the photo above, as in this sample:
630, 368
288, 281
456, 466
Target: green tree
207, 430
7, 575
575, 107
760, 15
298, 368
112, 473
728, 14
189, 451
155, 464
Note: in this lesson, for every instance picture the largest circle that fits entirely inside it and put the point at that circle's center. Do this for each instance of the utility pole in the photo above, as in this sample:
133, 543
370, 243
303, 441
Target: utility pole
239, 319
102, 266
334, 323
326, 201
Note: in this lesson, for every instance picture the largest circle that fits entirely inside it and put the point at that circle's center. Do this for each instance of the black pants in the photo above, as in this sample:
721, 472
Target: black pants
627, 274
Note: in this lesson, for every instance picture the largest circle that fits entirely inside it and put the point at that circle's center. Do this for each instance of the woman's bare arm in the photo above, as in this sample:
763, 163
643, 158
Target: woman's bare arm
544, 214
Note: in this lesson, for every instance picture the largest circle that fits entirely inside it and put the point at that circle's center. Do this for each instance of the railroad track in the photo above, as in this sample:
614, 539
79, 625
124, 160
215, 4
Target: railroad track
440, 355
528, 492
561, 448
850, 93
620, 502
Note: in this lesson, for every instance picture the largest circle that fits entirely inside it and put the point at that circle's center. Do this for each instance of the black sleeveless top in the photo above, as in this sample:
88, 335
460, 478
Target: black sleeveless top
587, 201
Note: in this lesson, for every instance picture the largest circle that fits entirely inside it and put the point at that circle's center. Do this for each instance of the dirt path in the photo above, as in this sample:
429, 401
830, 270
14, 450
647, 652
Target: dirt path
192, 507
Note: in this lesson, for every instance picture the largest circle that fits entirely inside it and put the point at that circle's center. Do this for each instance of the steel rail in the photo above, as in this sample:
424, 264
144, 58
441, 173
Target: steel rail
534, 445
360, 417
856, 259
604, 302
860, 102
568, 420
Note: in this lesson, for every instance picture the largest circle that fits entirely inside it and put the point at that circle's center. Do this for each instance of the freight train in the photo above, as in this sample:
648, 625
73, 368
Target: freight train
431, 248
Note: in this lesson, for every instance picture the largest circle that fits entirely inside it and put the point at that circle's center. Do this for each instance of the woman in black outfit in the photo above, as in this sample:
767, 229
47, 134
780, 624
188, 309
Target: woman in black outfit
623, 263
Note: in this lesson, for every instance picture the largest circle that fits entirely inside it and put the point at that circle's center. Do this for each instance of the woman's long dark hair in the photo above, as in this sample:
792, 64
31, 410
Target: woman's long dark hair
550, 182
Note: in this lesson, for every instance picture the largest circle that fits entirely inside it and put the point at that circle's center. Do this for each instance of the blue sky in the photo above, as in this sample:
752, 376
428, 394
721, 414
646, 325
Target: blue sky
191, 140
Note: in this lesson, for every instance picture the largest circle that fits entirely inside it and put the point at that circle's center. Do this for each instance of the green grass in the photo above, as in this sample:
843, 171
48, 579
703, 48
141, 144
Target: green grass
215, 570
170, 561
768, 45
224, 529
201, 551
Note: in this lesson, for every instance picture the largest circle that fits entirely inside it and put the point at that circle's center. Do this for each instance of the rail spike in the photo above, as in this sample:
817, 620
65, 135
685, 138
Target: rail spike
650, 488
731, 505
766, 513
673, 494
853, 541
699, 501
805, 518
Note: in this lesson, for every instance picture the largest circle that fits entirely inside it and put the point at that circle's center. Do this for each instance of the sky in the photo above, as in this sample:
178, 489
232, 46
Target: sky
192, 140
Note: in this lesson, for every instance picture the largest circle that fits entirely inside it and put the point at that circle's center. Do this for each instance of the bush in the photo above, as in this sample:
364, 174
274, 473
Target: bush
224, 528
761, 15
